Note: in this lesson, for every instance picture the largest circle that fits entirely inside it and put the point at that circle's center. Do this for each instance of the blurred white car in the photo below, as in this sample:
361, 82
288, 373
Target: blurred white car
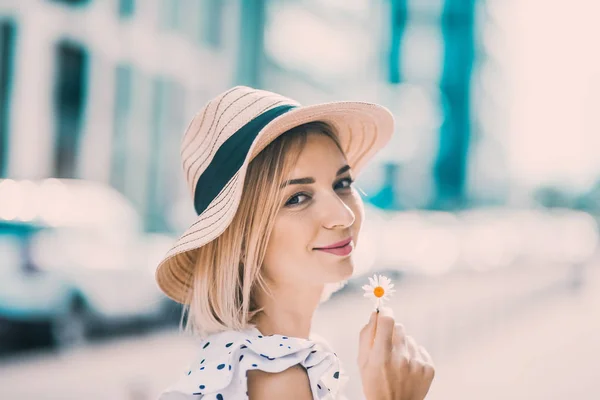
558, 235
73, 258
491, 238
418, 242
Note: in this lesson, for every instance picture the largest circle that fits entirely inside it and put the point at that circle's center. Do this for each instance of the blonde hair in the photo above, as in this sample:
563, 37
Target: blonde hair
227, 270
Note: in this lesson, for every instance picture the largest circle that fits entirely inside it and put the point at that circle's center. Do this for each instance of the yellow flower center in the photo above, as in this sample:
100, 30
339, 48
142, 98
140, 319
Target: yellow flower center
378, 291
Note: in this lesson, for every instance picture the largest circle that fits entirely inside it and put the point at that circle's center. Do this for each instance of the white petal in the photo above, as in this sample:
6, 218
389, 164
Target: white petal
378, 280
385, 280
368, 287
373, 282
391, 285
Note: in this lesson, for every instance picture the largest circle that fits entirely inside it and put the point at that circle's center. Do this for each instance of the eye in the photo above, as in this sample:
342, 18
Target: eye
349, 181
293, 201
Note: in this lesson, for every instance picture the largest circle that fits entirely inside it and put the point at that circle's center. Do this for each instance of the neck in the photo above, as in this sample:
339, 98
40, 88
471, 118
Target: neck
288, 312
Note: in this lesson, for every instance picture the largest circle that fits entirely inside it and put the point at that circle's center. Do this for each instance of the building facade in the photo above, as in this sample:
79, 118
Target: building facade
102, 90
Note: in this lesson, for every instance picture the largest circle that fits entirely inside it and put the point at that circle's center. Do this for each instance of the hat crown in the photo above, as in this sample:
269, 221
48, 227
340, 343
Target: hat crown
218, 121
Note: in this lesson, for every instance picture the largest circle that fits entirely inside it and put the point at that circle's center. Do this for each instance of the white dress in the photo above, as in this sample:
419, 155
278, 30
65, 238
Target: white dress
219, 371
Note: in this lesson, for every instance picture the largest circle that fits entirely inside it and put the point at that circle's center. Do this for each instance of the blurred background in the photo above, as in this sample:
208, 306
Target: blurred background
483, 209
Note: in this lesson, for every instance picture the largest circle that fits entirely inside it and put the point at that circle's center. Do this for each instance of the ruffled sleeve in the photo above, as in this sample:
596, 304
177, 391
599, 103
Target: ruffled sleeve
220, 371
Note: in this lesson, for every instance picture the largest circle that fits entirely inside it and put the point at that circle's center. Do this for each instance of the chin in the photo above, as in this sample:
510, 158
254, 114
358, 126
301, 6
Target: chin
344, 270
337, 271
337, 280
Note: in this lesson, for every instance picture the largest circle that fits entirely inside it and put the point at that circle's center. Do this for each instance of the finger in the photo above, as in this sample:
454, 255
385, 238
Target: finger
412, 347
366, 336
429, 367
368, 330
382, 345
400, 339
375, 317
425, 356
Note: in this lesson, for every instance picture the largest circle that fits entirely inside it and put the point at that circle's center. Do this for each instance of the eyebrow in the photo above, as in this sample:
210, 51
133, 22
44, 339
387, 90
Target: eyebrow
304, 181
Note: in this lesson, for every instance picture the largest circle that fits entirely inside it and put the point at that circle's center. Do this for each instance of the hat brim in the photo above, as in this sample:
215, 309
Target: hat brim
363, 129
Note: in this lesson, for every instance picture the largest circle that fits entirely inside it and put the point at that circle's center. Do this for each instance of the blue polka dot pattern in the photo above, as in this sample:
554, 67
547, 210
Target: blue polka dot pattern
210, 378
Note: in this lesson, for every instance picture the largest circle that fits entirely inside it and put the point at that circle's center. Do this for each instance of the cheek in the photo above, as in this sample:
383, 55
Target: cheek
273, 247
287, 242
282, 237
356, 204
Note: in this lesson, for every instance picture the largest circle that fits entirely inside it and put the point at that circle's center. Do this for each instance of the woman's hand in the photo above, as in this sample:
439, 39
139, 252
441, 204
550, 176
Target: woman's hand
392, 365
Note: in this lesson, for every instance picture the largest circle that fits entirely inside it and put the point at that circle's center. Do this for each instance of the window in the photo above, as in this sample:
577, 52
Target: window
171, 14
167, 120
7, 39
126, 8
211, 22
69, 104
73, 2
122, 113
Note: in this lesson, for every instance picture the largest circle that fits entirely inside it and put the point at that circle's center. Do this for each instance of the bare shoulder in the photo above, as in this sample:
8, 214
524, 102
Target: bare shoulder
265, 386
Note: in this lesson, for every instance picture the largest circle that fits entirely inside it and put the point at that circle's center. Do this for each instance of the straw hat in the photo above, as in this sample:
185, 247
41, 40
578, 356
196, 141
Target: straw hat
226, 135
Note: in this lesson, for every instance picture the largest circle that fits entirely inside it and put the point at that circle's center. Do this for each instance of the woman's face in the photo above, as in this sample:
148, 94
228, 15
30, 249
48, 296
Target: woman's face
320, 208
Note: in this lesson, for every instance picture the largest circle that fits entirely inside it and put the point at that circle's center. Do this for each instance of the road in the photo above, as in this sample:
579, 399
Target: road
522, 333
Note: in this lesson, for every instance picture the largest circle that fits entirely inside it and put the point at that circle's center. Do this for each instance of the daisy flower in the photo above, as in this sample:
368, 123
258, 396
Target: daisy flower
379, 290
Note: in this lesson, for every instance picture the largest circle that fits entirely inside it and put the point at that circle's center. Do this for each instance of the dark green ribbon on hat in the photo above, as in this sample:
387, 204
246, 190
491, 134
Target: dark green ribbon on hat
230, 158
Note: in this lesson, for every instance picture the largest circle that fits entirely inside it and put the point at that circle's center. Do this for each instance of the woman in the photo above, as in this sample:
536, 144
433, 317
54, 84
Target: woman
277, 221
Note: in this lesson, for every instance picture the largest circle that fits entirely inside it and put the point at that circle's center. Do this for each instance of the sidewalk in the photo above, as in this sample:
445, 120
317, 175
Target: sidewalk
549, 352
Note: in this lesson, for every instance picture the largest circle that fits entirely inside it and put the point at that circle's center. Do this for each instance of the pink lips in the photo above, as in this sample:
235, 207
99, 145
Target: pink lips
338, 244
342, 248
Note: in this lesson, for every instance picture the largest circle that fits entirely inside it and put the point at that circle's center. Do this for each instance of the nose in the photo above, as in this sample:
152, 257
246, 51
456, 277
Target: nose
337, 214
